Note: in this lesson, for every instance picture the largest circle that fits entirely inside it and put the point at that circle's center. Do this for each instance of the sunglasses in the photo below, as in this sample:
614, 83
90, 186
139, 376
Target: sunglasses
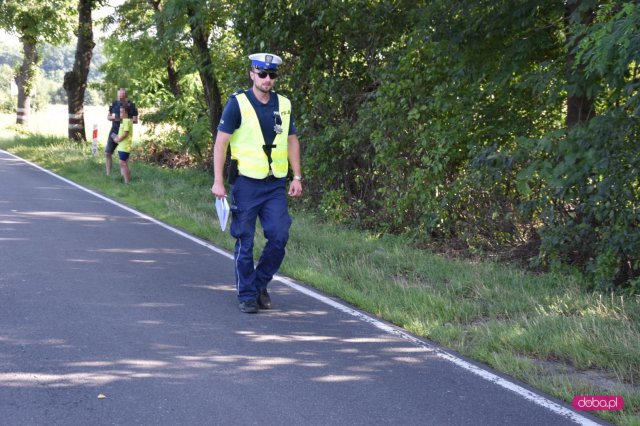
263, 74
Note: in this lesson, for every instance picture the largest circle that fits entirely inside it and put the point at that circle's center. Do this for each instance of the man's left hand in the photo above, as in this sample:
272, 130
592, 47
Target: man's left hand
295, 188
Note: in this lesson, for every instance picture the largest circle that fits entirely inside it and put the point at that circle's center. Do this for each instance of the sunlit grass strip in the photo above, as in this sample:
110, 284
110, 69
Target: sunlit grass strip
529, 326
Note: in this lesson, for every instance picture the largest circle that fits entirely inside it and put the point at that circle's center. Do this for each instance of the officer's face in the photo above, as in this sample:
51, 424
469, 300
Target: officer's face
263, 80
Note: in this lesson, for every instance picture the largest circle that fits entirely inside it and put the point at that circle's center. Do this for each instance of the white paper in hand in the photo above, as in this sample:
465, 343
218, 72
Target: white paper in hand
222, 208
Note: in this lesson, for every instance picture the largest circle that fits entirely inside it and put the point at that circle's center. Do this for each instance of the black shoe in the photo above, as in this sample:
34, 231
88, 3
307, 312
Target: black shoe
248, 306
264, 301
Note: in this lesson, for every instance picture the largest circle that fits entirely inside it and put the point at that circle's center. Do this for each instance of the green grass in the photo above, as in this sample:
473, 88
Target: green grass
545, 330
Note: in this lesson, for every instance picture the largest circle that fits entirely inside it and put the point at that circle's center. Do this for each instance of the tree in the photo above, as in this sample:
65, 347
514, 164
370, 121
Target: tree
580, 104
201, 27
591, 194
173, 76
9, 54
75, 81
179, 57
34, 22
6, 77
332, 51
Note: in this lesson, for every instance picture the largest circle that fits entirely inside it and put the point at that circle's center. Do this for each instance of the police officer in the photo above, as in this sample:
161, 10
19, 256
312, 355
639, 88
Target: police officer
258, 123
114, 117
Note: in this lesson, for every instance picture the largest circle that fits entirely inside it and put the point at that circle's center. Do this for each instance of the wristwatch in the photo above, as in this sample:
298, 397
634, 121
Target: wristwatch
299, 178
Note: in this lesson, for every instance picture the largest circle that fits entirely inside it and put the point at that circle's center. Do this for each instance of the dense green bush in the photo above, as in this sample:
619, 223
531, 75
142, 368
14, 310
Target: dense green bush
591, 177
447, 121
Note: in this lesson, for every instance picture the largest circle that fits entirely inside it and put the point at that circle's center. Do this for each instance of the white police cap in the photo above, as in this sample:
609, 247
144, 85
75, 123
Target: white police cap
267, 61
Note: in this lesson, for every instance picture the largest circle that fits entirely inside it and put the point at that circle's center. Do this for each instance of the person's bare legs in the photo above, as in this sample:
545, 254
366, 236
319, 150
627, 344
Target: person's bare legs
124, 170
108, 162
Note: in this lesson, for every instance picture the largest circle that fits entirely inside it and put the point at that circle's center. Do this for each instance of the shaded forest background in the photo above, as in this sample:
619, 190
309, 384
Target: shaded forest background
498, 128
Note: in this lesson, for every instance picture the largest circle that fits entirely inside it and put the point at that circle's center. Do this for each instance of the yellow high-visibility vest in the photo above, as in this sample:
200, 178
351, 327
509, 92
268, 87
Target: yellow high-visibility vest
247, 142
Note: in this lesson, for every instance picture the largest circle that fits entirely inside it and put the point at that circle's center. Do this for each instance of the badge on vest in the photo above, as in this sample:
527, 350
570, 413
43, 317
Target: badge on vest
278, 122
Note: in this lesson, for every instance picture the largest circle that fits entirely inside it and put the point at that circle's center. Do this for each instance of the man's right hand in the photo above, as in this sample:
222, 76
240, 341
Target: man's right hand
218, 190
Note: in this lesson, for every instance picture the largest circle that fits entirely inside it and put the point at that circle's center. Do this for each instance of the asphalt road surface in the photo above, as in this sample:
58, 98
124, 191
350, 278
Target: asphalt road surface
108, 317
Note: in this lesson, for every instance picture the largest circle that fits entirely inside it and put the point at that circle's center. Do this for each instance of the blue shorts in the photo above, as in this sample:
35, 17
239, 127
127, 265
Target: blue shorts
124, 156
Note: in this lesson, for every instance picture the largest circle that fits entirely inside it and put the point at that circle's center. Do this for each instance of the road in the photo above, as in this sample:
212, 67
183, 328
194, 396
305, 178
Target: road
109, 317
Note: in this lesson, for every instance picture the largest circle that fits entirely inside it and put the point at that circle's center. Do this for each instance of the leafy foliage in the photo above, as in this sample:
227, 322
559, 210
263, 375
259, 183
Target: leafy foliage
9, 54
592, 193
143, 43
7, 102
35, 22
39, 21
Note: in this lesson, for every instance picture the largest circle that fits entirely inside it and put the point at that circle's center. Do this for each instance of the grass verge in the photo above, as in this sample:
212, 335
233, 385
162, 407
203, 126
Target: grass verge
545, 330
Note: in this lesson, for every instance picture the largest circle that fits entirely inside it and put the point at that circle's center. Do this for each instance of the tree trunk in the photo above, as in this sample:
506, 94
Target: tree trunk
172, 74
580, 106
75, 81
205, 69
25, 78
174, 83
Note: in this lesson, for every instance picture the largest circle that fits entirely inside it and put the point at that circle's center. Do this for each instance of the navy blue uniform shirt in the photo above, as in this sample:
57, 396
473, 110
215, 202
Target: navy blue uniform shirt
115, 110
232, 118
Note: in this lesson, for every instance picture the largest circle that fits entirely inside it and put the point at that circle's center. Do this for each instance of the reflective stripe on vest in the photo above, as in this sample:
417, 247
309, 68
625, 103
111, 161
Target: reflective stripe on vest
247, 142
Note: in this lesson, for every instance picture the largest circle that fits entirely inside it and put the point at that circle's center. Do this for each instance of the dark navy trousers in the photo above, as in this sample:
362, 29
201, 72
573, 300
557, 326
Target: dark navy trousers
265, 199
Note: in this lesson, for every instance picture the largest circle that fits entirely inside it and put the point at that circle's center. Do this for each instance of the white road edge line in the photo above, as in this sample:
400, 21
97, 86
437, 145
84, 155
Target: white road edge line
525, 393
